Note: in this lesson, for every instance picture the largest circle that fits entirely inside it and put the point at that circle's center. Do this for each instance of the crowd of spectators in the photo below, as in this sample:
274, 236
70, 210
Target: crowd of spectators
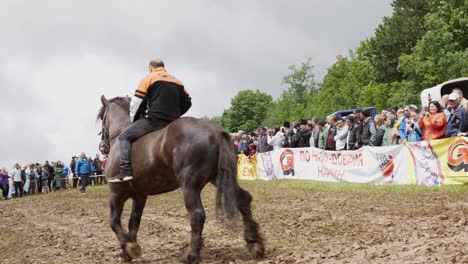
37, 178
445, 118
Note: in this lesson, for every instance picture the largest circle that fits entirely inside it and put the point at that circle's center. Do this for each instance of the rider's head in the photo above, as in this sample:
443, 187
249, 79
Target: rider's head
156, 63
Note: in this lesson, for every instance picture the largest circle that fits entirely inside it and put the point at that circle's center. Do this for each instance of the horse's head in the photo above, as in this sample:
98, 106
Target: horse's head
114, 115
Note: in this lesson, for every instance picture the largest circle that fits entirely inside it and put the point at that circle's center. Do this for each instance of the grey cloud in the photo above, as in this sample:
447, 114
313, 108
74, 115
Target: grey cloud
78, 50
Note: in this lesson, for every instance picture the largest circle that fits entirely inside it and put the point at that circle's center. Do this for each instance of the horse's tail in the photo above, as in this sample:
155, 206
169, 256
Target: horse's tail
226, 180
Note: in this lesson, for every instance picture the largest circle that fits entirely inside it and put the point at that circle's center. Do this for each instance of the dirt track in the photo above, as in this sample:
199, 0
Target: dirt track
302, 223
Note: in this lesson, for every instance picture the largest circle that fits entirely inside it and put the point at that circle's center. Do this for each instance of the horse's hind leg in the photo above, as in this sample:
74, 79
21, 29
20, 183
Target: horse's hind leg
251, 233
132, 248
116, 207
194, 207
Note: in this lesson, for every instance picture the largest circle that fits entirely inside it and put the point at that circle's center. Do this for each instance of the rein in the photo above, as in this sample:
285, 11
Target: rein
105, 137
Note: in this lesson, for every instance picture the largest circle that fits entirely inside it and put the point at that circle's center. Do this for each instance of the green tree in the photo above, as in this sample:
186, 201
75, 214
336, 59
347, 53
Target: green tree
397, 35
248, 110
293, 102
442, 53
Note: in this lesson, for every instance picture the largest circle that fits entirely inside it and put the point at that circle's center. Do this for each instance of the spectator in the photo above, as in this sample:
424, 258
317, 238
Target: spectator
388, 138
433, 123
413, 131
463, 100
275, 139
252, 145
359, 121
58, 171
263, 146
73, 167
402, 129
92, 177
245, 144
234, 141
98, 166
456, 122
377, 139
314, 138
51, 170
393, 110
368, 128
330, 143
444, 103
288, 133
45, 180
301, 138
323, 134
83, 170
352, 128
341, 134
38, 178
33, 179
17, 181
65, 175
4, 183
30, 184
240, 143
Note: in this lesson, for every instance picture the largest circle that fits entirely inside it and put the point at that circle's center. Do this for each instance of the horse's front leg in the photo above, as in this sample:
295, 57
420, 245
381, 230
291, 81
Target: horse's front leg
132, 248
194, 207
117, 202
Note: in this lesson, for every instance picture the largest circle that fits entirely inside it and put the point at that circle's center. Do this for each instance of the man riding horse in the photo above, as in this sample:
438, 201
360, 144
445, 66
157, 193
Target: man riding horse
159, 100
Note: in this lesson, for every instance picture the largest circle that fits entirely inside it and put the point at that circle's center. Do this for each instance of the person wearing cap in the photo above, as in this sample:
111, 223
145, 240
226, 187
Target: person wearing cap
368, 128
352, 127
463, 100
288, 133
457, 121
302, 137
433, 123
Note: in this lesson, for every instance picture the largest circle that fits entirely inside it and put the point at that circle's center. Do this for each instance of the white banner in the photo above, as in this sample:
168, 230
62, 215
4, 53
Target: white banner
376, 165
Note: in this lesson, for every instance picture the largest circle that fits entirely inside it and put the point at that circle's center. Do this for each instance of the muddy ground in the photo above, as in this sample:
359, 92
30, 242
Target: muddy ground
302, 222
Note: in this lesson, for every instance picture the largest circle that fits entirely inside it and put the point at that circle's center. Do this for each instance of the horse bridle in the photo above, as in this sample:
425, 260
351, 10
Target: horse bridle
104, 147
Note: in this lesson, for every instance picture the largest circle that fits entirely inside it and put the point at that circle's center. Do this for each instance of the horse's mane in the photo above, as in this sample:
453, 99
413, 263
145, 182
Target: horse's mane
122, 101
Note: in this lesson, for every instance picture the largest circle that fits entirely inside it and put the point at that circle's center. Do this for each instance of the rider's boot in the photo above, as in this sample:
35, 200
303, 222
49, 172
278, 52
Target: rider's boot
125, 164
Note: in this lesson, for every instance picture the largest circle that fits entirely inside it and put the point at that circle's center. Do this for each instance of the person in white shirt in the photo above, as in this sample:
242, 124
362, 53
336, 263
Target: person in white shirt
275, 140
17, 181
341, 134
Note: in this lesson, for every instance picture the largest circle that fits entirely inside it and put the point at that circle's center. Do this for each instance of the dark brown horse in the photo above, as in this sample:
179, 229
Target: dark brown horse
187, 154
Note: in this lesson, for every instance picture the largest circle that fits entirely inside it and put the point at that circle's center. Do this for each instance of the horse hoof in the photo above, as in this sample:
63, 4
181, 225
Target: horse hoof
191, 259
125, 257
257, 250
133, 249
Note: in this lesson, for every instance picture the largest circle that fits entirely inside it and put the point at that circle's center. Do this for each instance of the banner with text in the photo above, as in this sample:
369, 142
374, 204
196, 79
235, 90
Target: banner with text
424, 163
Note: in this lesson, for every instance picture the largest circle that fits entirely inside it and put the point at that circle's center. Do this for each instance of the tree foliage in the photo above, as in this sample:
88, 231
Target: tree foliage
423, 43
248, 110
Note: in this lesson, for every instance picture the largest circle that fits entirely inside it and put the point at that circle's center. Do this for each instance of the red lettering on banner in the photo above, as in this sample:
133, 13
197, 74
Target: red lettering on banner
307, 156
325, 172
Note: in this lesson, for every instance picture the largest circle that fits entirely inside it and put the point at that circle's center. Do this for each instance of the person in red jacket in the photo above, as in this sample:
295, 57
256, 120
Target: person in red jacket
434, 122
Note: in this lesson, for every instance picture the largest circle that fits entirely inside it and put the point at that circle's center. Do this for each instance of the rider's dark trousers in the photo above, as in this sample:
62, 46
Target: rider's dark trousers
136, 130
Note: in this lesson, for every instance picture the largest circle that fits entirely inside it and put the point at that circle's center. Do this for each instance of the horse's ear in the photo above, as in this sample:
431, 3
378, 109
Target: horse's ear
104, 100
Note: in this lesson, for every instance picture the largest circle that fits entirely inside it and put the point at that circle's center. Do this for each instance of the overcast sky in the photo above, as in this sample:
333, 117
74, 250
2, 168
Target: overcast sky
58, 57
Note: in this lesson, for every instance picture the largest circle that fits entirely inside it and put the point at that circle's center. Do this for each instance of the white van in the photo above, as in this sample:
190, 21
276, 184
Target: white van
435, 93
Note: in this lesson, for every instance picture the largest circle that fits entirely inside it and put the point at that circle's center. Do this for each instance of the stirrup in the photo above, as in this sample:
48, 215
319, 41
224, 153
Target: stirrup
119, 179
